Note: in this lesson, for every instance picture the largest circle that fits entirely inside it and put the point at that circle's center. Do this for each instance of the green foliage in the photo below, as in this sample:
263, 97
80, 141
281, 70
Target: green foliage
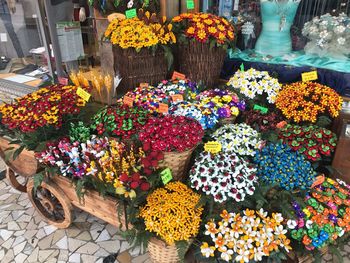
182, 247
168, 56
323, 121
38, 179
79, 132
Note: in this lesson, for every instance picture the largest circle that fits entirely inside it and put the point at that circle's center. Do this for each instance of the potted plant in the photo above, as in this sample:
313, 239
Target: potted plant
176, 137
170, 220
203, 40
140, 48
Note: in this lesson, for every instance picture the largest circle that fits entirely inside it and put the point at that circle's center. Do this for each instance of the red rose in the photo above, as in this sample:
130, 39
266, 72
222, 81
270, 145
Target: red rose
147, 171
123, 177
145, 186
134, 185
135, 177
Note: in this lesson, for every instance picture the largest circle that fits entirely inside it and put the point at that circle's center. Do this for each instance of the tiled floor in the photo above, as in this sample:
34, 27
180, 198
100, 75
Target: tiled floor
25, 237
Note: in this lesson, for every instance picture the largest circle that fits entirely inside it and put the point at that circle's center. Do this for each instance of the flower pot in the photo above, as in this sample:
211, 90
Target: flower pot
160, 252
177, 162
199, 62
138, 67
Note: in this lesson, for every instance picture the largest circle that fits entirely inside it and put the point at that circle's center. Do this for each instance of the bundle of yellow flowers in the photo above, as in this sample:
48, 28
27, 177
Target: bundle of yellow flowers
145, 30
305, 101
171, 213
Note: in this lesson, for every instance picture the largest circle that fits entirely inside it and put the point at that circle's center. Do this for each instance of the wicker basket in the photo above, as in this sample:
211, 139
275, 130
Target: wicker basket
199, 62
229, 120
177, 162
160, 252
137, 67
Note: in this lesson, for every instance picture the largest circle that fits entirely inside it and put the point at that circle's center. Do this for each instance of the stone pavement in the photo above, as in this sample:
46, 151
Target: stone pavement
25, 237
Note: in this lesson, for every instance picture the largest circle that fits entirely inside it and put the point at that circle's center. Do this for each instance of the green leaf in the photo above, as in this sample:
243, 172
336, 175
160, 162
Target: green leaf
8, 153
17, 152
335, 251
38, 179
182, 247
212, 44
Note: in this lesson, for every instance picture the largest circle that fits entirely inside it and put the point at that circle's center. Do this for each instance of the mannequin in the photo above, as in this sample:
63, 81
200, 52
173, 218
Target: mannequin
277, 19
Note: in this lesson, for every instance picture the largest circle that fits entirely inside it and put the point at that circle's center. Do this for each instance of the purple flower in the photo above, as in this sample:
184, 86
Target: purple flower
223, 113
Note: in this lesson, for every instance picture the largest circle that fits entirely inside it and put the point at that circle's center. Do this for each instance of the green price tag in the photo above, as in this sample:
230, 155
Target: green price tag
166, 176
261, 109
131, 13
242, 67
190, 4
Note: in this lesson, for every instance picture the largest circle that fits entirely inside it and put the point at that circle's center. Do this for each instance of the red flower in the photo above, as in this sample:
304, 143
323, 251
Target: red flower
134, 185
124, 177
145, 186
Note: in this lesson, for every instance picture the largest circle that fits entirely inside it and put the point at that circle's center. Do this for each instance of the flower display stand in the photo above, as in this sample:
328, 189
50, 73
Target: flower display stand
25, 165
55, 199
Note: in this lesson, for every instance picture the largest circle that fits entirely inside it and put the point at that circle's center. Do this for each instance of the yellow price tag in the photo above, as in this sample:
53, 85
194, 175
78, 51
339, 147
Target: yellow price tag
308, 76
213, 147
83, 94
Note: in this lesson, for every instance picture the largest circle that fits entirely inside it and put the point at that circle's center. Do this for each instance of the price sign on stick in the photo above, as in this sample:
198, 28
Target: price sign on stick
190, 4
163, 108
83, 94
128, 101
260, 108
309, 76
177, 97
166, 176
178, 76
213, 147
144, 85
131, 13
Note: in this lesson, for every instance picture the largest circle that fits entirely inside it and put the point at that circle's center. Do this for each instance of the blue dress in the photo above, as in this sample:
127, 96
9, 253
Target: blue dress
277, 19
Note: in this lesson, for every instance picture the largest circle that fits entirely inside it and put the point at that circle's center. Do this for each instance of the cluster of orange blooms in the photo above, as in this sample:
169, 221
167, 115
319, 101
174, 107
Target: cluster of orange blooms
171, 213
305, 101
203, 26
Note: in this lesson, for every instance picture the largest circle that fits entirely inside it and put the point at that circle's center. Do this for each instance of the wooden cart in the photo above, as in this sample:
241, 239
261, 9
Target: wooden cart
55, 198
24, 166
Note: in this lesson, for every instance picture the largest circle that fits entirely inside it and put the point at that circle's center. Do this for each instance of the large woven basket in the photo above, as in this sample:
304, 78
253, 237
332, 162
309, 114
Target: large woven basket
177, 162
160, 252
138, 67
199, 62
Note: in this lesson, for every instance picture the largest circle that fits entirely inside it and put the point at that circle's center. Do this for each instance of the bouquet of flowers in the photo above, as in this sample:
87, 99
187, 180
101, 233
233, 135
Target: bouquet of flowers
223, 176
207, 117
246, 236
325, 216
306, 101
171, 133
204, 28
262, 122
328, 36
186, 88
226, 103
149, 29
148, 98
256, 85
105, 163
312, 141
279, 164
120, 121
239, 138
172, 213
41, 116
45, 107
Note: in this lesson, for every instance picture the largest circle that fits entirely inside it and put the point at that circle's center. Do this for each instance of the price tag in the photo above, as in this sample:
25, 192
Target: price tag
213, 147
166, 176
177, 97
83, 94
163, 108
319, 180
131, 13
190, 4
242, 67
261, 109
177, 76
128, 101
63, 81
308, 76
144, 85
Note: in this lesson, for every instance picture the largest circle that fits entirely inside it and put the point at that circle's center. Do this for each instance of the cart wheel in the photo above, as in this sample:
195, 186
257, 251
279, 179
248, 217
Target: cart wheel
51, 203
12, 178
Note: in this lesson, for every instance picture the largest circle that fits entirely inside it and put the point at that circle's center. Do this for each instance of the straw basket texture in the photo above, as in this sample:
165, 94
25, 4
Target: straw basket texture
199, 62
160, 252
177, 162
137, 67
225, 121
